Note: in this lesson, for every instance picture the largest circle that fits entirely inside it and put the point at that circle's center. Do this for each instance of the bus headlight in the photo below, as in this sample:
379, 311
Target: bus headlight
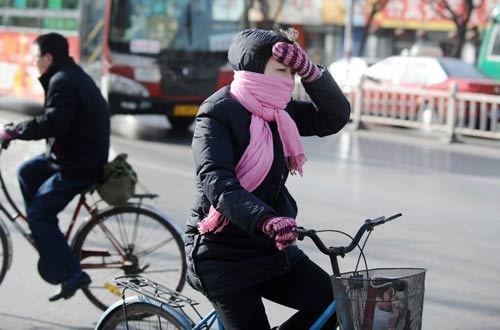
123, 85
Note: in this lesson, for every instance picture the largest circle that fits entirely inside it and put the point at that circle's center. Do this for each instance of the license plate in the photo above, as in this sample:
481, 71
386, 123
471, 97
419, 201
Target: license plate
183, 110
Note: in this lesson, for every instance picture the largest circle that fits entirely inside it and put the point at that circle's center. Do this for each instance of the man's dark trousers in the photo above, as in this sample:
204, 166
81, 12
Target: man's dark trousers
46, 192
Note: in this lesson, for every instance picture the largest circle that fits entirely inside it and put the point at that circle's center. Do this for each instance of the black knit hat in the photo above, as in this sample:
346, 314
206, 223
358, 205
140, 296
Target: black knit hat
251, 49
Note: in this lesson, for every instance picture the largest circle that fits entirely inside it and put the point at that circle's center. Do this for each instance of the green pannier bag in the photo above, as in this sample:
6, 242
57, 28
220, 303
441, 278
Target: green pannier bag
118, 181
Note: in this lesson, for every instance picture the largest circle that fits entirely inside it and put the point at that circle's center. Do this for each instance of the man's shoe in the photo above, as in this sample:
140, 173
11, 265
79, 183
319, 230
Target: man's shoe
71, 285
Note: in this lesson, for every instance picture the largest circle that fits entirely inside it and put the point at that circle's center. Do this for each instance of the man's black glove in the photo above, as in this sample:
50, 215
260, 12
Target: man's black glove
6, 135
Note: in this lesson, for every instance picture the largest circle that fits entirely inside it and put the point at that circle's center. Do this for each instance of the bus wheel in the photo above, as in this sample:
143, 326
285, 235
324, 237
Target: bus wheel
180, 123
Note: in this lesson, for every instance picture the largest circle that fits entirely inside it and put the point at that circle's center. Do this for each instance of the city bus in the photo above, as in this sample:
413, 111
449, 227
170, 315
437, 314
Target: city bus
21, 21
148, 56
489, 56
167, 56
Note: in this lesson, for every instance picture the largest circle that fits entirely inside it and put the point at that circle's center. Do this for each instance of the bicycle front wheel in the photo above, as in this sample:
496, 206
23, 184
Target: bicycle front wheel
129, 240
138, 316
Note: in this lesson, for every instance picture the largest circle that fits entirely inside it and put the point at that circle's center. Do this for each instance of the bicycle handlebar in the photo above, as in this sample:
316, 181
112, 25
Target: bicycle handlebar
368, 225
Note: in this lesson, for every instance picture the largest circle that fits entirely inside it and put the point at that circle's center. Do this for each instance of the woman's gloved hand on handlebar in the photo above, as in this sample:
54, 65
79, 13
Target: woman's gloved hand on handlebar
281, 229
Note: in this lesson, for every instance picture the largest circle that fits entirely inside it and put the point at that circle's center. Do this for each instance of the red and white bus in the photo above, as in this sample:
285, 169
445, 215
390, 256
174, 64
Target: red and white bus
154, 56
21, 21
167, 56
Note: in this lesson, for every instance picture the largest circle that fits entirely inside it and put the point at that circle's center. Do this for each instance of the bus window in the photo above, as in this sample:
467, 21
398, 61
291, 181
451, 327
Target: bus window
91, 34
24, 21
21, 21
61, 24
494, 48
167, 56
22, 4
61, 4
179, 24
227, 10
139, 19
489, 56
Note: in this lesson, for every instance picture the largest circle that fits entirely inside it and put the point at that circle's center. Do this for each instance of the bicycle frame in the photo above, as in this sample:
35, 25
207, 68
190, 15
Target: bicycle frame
82, 203
207, 321
13, 217
174, 302
155, 294
139, 285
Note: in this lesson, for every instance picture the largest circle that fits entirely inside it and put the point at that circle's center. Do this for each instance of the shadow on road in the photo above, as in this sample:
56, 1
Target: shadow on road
41, 324
149, 128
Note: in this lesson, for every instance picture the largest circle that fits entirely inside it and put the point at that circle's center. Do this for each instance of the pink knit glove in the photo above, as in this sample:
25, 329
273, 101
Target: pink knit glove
282, 230
297, 59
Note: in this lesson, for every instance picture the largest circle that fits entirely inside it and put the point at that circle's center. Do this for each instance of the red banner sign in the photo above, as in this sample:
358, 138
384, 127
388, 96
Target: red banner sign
430, 15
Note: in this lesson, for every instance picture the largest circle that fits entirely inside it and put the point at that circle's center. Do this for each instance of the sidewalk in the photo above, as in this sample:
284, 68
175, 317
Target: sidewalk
430, 138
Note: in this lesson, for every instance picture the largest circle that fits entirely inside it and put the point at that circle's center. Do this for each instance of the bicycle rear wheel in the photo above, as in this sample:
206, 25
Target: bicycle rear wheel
5, 251
139, 316
129, 240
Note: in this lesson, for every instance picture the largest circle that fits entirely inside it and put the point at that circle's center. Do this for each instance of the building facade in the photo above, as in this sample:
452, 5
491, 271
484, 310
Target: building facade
400, 25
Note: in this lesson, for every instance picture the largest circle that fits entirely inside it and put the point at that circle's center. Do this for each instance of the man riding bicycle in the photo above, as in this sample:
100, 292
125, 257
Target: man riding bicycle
75, 124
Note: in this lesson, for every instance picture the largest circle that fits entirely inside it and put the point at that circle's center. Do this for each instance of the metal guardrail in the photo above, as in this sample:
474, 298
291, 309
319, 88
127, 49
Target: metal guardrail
451, 112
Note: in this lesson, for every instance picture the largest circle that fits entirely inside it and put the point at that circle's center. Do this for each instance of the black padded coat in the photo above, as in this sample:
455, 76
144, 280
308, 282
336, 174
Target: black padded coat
75, 120
241, 256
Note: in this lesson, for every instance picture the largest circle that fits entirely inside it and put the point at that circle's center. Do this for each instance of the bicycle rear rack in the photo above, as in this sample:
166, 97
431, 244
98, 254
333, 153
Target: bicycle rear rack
153, 290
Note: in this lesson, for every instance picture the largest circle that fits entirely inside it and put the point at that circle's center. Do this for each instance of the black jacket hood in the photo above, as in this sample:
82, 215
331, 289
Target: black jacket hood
251, 49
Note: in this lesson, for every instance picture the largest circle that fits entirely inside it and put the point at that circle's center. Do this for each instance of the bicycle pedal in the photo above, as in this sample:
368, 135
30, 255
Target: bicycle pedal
112, 289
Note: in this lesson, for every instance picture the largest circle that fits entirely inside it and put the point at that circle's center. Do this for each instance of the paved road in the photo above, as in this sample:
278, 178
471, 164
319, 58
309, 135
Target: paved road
448, 194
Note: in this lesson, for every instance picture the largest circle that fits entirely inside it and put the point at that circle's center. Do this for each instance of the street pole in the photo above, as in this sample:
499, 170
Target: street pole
348, 29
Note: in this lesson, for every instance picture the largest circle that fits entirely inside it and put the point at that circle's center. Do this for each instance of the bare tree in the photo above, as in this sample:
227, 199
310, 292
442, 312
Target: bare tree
244, 20
376, 6
270, 13
460, 17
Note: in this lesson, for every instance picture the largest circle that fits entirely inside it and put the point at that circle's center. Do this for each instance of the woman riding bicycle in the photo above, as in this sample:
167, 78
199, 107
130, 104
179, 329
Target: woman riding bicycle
239, 237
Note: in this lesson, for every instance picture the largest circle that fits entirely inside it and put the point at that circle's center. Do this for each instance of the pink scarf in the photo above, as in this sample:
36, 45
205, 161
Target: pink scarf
265, 97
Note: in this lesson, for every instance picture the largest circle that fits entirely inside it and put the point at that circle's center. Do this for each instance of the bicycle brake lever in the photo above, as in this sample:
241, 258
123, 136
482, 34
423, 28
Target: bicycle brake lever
380, 220
300, 232
392, 217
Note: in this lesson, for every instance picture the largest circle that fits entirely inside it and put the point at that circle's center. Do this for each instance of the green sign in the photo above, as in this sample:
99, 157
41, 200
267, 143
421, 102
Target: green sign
54, 4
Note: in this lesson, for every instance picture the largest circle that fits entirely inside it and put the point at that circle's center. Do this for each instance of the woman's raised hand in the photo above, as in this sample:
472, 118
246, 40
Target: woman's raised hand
297, 59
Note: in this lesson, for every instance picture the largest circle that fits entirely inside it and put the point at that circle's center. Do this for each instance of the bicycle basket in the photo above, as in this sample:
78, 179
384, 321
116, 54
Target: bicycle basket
380, 299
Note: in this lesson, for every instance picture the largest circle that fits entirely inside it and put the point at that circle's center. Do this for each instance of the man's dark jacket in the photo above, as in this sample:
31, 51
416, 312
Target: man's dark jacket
241, 256
76, 117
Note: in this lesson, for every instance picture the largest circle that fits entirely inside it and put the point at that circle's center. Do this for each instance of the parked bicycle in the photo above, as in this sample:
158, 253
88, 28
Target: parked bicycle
132, 239
361, 296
